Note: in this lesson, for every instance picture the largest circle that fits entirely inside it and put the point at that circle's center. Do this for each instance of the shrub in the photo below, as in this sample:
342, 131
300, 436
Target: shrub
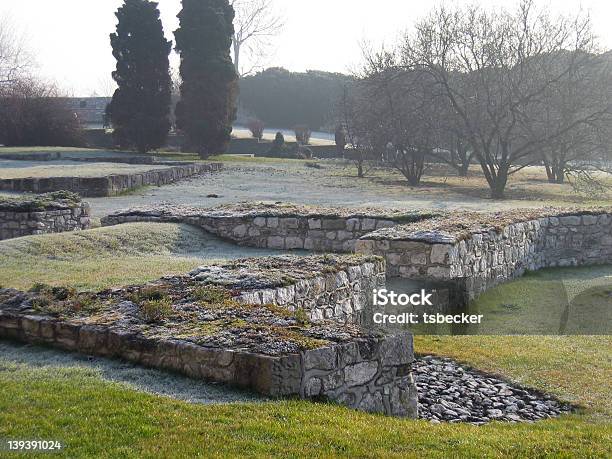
33, 114
302, 134
279, 141
257, 128
301, 317
156, 310
151, 293
211, 295
278, 145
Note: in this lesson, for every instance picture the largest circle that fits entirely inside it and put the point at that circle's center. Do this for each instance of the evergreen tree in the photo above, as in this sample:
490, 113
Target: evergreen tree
140, 108
210, 84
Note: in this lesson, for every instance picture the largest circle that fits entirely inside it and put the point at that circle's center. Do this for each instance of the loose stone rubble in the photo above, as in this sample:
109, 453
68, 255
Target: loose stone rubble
47, 213
449, 392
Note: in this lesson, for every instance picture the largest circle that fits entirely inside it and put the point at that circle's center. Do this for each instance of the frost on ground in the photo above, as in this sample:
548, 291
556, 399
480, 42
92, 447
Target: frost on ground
333, 186
14, 357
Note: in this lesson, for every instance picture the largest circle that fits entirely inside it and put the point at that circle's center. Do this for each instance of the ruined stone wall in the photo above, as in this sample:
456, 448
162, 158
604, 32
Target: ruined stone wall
342, 295
111, 185
484, 259
320, 234
23, 222
371, 374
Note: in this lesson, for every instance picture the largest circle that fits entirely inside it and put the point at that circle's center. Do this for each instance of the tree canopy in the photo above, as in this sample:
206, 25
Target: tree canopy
209, 86
284, 99
140, 108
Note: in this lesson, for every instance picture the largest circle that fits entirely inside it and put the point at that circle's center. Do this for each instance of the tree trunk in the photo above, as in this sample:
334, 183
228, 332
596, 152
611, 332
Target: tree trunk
360, 169
550, 174
237, 56
559, 173
462, 170
498, 184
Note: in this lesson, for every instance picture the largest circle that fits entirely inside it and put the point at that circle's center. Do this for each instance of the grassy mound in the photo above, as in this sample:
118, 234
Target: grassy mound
110, 257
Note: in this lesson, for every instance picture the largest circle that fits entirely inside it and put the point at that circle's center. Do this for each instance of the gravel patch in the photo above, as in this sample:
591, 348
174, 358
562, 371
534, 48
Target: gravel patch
134, 377
449, 392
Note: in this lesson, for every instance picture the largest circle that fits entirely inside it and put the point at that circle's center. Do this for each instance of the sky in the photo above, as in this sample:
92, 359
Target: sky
70, 38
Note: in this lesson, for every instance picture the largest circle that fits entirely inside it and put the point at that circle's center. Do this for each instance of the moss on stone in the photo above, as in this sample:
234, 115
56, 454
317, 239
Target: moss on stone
41, 202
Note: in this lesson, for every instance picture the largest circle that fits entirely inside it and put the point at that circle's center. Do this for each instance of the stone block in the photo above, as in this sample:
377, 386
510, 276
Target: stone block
320, 359
66, 335
353, 224
314, 223
570, 220
439, 253
294, 243
360, 373
275, 242
371, 403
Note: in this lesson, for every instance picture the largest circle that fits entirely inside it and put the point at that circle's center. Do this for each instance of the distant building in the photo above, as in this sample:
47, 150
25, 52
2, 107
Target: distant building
89, 110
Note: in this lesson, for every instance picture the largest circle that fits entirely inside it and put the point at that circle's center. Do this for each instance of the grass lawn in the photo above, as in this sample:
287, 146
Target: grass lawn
111, 256
94, 417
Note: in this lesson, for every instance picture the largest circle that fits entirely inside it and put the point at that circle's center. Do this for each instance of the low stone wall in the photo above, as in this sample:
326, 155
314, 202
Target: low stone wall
78, 157
485, 258
274, 228
21, 219
342, 295
472, 254
111, 185
370, 374
260, 347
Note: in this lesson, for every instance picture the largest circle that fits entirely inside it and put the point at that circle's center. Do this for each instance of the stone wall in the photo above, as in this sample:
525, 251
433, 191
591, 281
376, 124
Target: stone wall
111, 185
343, 295
18, 222
486, 258
317, 232
359, 370
471, 260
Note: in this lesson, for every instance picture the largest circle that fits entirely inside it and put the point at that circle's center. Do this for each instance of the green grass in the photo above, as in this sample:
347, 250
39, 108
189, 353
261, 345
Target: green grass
93, 417
559, 301
99, 258
553, 301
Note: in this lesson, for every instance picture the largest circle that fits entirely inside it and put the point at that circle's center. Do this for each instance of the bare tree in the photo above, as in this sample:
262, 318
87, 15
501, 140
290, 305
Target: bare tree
15, 60
494, 67
34, 113
406, 114
352, 116
255, 24
578, 151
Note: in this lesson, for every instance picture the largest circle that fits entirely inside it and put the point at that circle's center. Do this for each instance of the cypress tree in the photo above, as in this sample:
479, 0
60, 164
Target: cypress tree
140, 109
209, 90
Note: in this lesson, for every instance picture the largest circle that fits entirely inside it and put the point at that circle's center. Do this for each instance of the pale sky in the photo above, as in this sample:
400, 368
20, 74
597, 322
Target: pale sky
69, 38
